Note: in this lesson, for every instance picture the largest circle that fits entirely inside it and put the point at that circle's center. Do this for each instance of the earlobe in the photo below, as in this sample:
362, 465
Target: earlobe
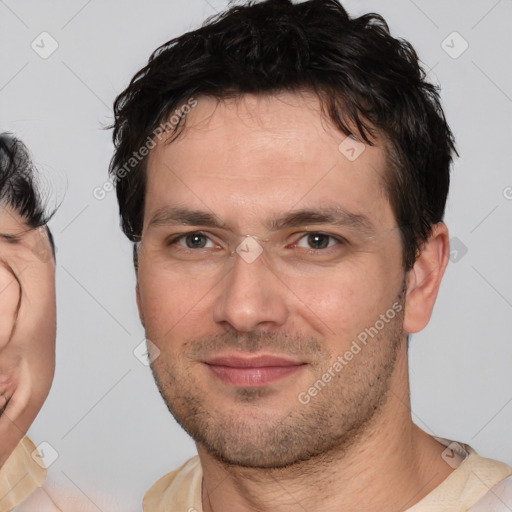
139, 304
424, 279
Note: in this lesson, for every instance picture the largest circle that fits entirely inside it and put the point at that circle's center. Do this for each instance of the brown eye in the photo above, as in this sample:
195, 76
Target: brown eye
318, 241
195, 240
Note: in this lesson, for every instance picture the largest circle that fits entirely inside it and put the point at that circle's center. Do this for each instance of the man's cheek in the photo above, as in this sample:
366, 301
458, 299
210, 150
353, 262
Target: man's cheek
168, 311
335, 304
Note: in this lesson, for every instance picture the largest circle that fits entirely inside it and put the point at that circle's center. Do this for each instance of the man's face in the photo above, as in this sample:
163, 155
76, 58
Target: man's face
265, 254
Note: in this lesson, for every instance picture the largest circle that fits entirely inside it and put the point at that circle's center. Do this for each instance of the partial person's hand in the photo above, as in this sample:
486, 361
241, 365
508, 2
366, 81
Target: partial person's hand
27, 326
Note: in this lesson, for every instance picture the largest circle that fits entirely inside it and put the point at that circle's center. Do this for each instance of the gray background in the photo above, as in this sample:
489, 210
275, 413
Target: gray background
104, 417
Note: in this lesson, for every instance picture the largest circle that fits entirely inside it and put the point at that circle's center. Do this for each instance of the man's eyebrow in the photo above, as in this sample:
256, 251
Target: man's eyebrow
172, 215
337, 216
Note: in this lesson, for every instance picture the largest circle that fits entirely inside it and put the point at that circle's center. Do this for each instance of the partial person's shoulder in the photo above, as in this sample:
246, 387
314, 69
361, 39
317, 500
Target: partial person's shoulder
38, 501
178, 490
21, 475
498, 499
470, 482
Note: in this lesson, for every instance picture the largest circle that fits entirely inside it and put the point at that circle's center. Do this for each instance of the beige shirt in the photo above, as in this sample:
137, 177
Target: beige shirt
23, 488
471, 481
22, 473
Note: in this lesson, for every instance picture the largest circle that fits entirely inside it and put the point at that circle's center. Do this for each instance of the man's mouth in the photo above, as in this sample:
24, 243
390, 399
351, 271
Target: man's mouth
252, 370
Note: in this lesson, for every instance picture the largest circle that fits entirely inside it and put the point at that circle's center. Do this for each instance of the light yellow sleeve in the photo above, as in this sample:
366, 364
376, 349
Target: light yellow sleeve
20, 475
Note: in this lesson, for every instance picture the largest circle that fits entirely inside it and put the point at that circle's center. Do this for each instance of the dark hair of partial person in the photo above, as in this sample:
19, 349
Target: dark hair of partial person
18, 188
370, 84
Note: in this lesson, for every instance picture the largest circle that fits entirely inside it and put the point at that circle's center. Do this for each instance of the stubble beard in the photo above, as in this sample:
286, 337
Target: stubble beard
325, 428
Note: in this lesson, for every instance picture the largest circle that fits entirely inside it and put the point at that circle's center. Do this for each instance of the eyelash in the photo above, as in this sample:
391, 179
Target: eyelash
340, 240
173, 240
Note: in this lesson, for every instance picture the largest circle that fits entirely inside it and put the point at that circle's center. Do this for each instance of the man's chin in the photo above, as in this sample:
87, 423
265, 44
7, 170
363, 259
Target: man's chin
249, 457
253, 437
267, 456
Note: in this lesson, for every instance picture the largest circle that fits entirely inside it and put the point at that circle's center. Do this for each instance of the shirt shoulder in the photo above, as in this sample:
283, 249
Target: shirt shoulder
470, 482
178, 490
22, 473
498, 499
474, 480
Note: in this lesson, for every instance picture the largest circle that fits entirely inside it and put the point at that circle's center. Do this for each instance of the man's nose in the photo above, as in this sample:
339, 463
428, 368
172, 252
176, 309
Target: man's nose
252, 297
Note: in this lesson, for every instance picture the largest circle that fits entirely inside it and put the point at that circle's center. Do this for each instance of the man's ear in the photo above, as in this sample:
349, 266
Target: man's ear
424, 279
139, 304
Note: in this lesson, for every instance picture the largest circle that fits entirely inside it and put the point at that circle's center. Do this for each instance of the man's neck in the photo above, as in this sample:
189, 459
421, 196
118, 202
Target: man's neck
391, 466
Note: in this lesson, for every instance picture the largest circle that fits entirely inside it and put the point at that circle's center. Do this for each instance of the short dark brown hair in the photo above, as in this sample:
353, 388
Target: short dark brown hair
365, 78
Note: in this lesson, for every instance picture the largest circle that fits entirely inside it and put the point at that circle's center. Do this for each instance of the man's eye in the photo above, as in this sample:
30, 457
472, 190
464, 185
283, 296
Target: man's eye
195, 240
317, 241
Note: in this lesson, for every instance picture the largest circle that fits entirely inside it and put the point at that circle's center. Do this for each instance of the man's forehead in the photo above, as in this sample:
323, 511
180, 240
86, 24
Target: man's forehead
279, 116
264, 109
230, 150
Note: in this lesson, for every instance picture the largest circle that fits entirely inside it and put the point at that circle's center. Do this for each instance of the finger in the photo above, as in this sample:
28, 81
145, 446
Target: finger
35, 321
9, 303
18, 414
